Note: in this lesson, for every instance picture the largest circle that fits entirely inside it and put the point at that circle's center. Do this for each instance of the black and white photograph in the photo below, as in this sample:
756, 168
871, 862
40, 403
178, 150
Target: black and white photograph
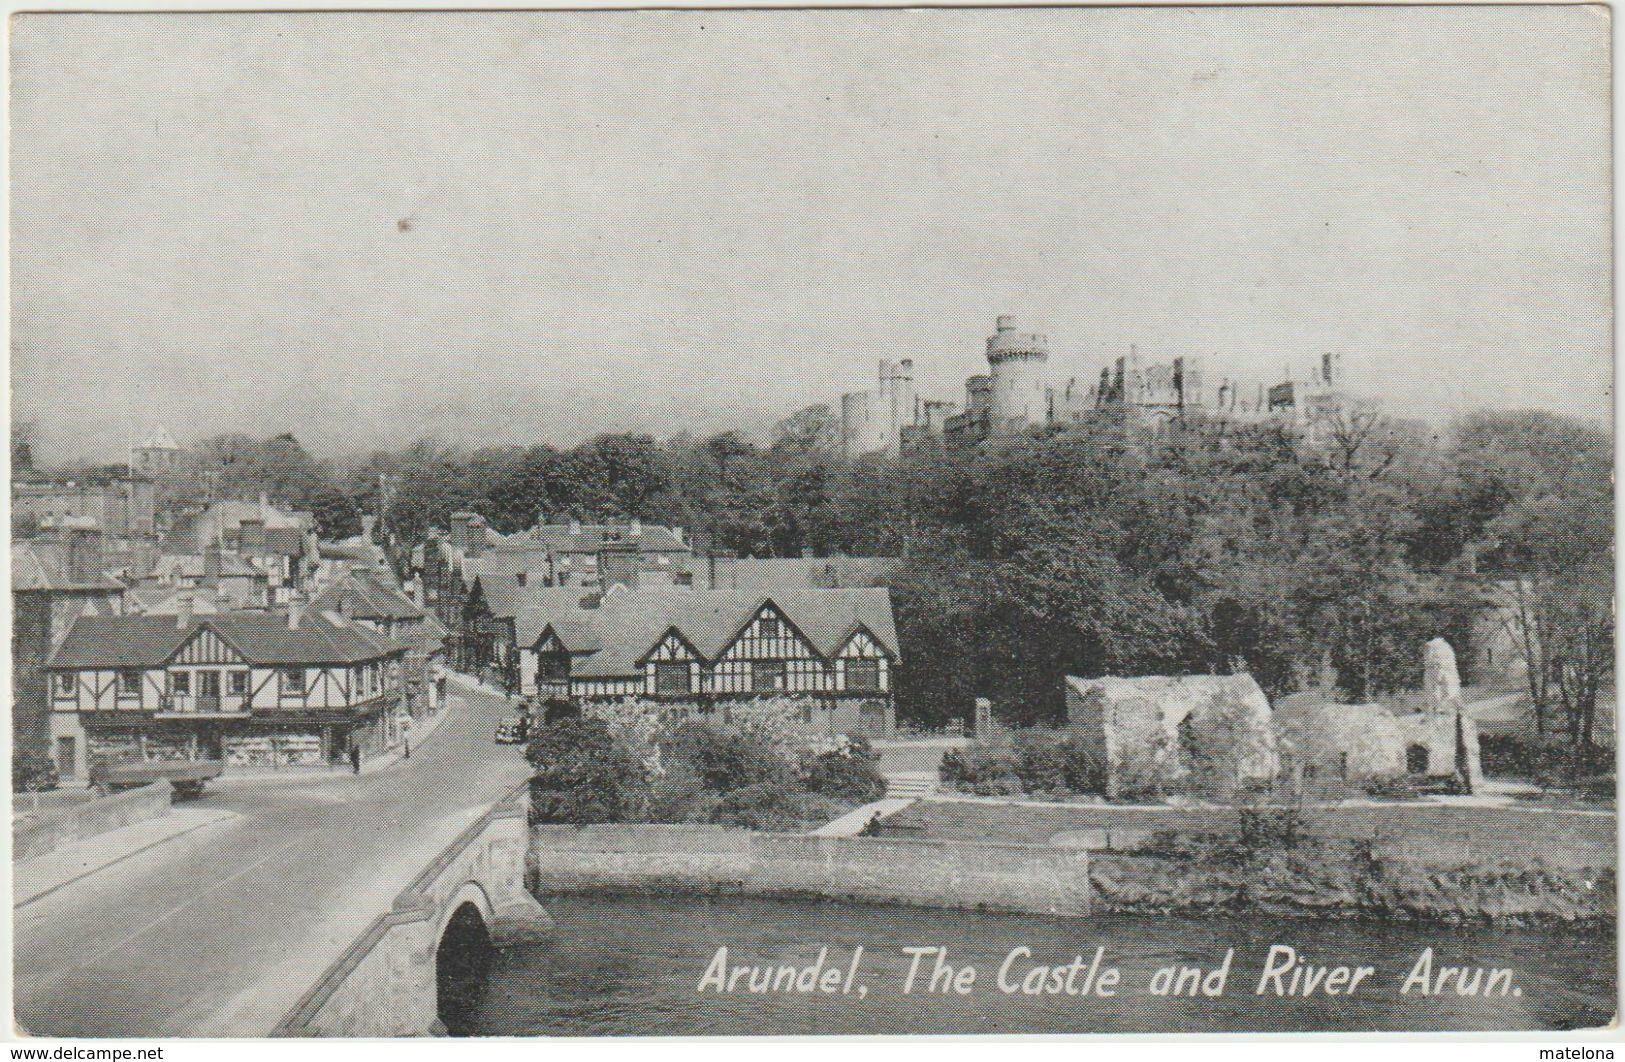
863, 522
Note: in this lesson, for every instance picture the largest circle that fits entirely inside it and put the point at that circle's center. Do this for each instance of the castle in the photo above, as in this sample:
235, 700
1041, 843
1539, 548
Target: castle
1016, 394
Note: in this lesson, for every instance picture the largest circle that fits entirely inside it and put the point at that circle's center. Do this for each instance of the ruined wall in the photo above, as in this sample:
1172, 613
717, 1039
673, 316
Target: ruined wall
1157, 730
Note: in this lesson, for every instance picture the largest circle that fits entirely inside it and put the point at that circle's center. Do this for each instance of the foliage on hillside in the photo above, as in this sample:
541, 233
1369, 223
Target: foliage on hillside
1093, 550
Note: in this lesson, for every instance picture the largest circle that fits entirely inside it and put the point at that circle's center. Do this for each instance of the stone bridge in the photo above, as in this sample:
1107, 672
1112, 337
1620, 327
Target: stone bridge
410, 973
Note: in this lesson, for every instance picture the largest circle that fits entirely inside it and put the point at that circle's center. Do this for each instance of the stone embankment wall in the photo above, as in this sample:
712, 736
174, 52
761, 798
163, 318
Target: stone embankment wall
35, 835
1039, 879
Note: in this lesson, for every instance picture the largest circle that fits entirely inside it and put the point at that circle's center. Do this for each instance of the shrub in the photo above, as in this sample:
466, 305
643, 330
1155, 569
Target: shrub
634, 724
1551, 761
1085, 772
583, 776
33, 774
1040, 762
850, 770
981, 765
725, 758
954, 769
770, 806
680, 795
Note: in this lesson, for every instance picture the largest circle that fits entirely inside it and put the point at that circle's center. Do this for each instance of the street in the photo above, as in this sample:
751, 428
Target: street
218, 932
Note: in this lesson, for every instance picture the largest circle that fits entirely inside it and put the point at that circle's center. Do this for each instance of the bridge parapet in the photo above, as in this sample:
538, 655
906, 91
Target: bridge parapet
385, 983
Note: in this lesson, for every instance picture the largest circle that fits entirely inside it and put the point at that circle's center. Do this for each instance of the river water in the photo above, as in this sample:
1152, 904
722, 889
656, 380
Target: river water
633, 966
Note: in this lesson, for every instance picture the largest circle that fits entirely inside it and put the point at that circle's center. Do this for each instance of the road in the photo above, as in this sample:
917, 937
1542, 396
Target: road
218, 932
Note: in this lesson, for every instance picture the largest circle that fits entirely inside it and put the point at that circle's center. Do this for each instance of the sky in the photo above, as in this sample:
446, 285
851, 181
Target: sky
508, 228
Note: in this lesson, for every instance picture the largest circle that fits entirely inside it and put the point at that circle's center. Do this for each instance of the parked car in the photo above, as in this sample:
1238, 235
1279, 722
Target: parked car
513, 731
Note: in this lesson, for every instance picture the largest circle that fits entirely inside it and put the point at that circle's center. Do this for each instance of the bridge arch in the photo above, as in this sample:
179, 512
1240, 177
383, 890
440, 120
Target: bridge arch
462, 957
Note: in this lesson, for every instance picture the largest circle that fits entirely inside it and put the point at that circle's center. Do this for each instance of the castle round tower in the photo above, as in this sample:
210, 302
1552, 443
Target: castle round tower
1020, 380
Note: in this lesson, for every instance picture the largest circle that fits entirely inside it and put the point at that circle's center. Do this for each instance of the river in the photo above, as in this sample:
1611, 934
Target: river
622, 966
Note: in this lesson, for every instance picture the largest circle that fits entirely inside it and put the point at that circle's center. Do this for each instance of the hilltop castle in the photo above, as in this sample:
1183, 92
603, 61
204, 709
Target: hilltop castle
1016, 394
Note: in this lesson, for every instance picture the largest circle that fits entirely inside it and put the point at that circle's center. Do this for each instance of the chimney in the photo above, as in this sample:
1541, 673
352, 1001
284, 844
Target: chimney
183, 612
84, 553
459, 529
476, 536
637, 527
414, 587
265, 506
575, 526
211, 565
677, 533
367, 523
618, 565
296, 614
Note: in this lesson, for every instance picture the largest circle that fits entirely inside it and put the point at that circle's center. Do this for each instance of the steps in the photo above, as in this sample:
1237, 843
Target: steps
910, 785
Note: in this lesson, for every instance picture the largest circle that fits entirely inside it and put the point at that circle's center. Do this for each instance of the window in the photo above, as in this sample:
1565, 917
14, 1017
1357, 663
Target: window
238, 683
519, 577
770, 627
180, 682
64, 685
129, 683
767, 676
293, 681
671, 678
863, 674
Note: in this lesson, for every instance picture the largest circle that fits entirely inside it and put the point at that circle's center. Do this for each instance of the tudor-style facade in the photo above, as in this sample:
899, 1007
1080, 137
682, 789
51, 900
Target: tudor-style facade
252, 689
833, 650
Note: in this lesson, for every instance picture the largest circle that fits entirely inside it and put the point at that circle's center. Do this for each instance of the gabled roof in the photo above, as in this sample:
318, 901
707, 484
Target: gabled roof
262, 638
159, 599
160, 439
359, 594
627, 624
767, 574
44, 566
192, 565
590, 538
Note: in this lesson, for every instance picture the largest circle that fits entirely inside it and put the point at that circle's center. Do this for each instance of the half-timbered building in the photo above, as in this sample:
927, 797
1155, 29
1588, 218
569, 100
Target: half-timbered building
258, 689
835, 651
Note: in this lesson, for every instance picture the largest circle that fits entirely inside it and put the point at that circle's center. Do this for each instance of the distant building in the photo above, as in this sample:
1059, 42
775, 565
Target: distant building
157, 455
257, 689
873, 421
281, 544
700, 651
122, 504
476, 580
223, 574
362, 597
1016, 394
53, 583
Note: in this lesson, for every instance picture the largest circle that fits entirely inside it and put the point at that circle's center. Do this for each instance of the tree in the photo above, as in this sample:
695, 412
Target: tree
812, 432
582, 775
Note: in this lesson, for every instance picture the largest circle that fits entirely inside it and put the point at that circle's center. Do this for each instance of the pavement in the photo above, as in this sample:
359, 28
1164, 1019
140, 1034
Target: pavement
218, 930
853, 822
45, 874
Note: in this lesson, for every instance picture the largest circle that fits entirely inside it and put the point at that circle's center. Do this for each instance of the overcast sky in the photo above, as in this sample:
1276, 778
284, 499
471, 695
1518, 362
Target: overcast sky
534, 227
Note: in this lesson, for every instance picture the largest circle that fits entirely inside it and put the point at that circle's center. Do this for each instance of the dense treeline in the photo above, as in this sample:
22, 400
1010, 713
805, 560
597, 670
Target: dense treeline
1093, 549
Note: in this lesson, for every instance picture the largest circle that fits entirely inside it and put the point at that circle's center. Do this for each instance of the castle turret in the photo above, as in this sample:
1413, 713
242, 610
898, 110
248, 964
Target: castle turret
1020, 387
